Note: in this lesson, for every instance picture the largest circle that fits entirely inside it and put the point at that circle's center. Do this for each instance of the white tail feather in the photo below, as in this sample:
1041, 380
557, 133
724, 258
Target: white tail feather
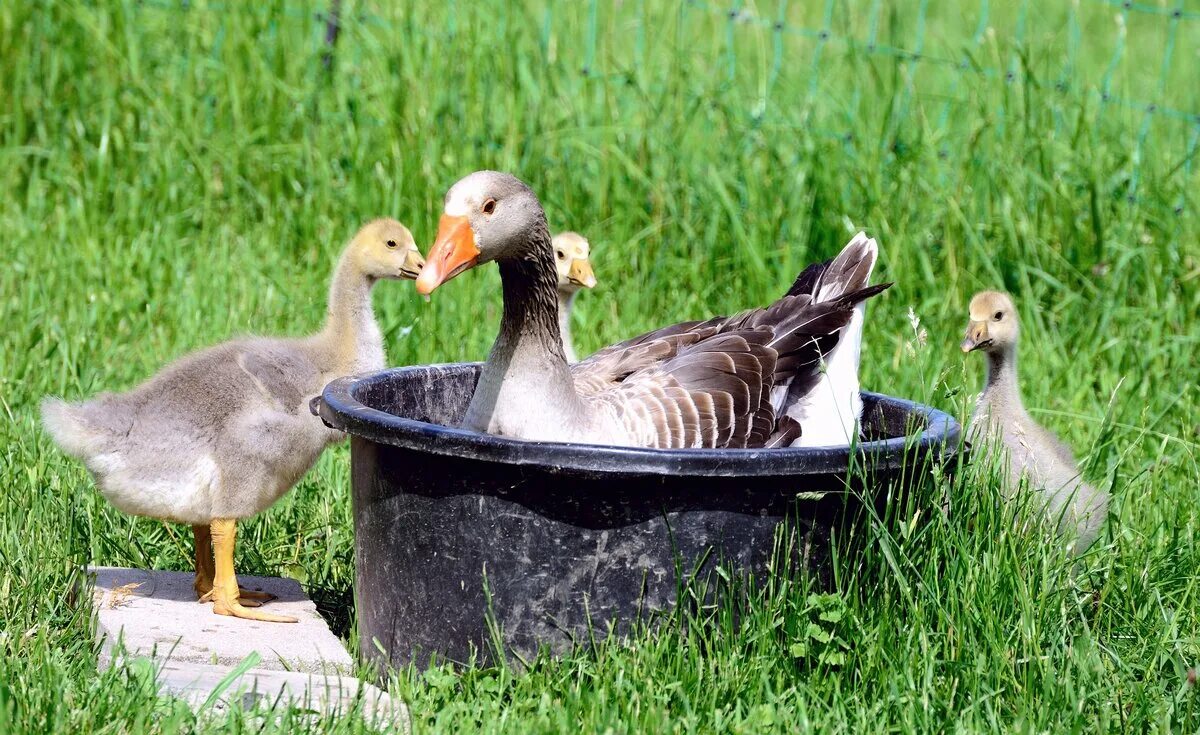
64, 425
831, 412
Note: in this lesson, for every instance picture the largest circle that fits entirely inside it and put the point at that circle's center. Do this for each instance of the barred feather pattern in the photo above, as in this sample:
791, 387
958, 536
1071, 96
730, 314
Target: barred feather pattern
725, 382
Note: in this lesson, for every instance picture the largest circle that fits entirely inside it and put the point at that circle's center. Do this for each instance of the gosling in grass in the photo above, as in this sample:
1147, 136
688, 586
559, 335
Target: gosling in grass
221, 434
1034, 453
572, 254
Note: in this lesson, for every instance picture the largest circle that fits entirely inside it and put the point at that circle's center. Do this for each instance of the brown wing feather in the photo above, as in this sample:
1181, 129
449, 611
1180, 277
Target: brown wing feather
707, 424
845, 273
787, 431
710, 383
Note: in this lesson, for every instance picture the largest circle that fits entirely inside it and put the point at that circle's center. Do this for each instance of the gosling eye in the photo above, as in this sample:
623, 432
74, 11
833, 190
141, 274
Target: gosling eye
998, 315
489, 206
560, 254
391, 244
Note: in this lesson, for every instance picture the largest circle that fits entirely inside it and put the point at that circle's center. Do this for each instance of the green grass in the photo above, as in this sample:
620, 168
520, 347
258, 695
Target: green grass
171, 177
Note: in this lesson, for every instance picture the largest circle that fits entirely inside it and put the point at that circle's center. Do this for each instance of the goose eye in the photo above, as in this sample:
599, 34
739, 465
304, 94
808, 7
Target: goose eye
391, 244
998, 315
489, 206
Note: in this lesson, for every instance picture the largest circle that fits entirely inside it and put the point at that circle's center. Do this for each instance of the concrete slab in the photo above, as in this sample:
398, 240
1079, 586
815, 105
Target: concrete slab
328, 694
155, 615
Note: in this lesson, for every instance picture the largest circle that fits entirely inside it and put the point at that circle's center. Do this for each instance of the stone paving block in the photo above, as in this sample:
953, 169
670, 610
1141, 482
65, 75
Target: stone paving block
154, 614
324, 693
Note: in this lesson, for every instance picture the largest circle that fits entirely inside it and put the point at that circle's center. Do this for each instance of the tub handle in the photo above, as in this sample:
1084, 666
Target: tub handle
314, 407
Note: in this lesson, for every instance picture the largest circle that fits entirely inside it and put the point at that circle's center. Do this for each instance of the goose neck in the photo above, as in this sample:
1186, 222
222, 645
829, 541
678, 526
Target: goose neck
530, 286
1001, 389
526, 388
565, 300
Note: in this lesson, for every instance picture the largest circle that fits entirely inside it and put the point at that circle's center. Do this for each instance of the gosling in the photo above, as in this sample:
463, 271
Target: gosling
571, 257
223, 433
1033, 452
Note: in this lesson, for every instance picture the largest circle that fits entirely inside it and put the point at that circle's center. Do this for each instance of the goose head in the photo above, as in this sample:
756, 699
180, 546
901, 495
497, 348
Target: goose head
487, 216
384, 248
993, 324
571, 259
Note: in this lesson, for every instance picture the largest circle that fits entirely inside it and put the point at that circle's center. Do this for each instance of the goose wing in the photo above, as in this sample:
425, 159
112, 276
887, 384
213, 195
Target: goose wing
611, 365
279, 375
713, 391
718, 383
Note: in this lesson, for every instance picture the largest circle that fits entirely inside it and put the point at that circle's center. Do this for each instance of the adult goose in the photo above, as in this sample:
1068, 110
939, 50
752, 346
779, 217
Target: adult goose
723, 382
1034, 455
222, 433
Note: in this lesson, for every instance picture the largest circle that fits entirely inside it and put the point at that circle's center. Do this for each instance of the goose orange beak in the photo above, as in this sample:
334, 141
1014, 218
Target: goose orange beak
453, 252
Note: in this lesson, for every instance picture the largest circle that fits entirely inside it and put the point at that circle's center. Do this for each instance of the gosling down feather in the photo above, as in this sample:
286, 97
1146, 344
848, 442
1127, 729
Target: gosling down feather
739, 381
221, 434
572, 253
1033, 453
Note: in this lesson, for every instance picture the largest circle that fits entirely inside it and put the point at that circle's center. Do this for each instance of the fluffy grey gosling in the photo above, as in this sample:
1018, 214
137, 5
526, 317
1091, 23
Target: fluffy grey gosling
1033, 452
571, 253
222, 433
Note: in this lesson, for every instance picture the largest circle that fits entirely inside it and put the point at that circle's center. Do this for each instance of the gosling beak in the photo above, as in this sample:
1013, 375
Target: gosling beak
453, 252
581, 273
976, 337
412, 265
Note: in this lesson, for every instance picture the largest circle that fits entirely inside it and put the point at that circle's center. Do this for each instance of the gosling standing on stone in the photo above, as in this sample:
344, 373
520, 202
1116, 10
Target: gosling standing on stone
571, 253
222, 433
1034, 453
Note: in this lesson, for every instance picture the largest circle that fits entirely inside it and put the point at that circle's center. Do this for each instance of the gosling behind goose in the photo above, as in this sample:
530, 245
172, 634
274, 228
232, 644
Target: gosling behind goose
222, 433
1033, 452
724, 382
571, 260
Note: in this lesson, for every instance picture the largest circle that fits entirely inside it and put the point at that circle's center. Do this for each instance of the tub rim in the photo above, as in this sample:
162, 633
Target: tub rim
340, 409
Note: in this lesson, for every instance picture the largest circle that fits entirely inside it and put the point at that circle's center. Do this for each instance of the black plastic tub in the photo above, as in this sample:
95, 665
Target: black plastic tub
455, 529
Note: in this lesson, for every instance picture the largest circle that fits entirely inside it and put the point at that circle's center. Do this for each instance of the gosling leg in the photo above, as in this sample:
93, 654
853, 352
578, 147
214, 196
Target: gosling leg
206, 571
225, 592
202, 543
